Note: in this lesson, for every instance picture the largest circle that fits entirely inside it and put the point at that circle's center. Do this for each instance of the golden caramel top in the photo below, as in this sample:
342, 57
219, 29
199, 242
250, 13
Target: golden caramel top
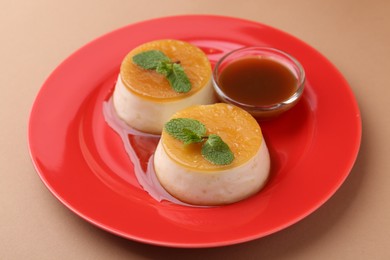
151, 85
237, 128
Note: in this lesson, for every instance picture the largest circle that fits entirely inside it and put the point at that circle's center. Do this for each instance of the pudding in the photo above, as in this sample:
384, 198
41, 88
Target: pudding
145, 99
185, 173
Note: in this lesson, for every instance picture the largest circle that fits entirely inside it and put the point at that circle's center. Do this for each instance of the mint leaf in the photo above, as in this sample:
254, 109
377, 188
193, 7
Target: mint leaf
189, 136
216, 151
164, 67
174, 72
186, 130
178, 79
189, 131
150, 59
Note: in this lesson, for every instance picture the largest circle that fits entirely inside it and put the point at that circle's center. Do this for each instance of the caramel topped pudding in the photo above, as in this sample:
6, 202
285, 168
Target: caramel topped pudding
145, 98
186, 174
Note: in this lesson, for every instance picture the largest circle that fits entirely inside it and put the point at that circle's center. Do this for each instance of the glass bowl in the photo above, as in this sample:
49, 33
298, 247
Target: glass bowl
260, 111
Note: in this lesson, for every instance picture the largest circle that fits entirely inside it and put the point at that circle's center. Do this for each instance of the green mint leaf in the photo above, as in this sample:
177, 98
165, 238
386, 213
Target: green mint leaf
216, 151
149, 59
164, 67
178, 79
189, 136
186, 130
174, 72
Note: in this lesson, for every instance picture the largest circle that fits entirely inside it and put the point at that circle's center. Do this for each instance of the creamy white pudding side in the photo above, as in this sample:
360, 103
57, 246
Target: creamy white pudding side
150, 115
215, 187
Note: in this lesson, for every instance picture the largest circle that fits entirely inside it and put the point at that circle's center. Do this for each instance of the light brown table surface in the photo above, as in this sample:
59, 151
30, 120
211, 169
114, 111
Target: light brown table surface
37, 35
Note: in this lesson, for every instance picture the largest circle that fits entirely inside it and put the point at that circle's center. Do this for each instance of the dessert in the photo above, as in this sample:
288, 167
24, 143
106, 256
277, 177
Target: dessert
145, 98
185, 172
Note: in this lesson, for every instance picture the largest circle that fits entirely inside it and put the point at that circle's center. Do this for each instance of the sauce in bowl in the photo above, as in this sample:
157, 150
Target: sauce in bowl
264, 81
257, 81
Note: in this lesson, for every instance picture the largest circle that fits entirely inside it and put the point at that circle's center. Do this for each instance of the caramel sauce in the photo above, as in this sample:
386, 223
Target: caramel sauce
257, 81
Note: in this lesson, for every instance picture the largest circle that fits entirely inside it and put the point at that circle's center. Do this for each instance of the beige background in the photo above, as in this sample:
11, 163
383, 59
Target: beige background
37, 35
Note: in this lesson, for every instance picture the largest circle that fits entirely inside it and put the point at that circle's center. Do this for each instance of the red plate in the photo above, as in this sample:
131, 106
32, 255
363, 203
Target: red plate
84, 164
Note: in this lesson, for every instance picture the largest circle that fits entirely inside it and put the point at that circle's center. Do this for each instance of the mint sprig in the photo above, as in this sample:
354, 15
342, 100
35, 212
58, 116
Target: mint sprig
189, 131
173, 71
217, 151
150, 59
186, 130
178, 79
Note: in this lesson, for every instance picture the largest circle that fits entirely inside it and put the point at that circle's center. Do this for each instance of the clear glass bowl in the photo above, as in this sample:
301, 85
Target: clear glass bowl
262, 111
